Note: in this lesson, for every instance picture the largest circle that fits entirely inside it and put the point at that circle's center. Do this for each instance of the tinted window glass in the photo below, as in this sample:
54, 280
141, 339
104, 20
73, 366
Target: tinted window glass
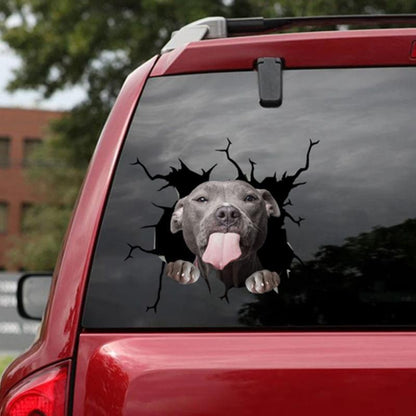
337, 159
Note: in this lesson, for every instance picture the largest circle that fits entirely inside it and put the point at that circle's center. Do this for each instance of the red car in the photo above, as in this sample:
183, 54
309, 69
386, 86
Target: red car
244, 242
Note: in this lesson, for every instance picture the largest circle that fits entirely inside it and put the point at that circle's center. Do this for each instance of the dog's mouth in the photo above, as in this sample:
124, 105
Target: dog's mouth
222, 249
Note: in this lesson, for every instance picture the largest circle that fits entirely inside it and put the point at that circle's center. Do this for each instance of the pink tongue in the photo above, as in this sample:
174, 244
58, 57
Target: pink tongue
222, 249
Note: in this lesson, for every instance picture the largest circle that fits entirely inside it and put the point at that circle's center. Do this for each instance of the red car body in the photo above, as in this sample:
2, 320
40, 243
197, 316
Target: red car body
233, 373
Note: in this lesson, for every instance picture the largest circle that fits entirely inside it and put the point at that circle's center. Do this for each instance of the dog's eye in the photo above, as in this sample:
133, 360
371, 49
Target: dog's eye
201, 199
250, 198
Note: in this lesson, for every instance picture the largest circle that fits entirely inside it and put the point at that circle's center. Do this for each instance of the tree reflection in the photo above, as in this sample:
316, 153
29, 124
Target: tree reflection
369, 280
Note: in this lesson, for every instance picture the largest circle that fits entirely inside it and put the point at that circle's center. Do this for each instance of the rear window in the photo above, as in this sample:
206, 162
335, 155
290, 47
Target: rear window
333, 173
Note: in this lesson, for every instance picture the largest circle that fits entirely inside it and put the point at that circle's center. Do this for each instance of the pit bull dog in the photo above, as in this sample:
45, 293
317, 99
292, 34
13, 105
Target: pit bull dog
224, 224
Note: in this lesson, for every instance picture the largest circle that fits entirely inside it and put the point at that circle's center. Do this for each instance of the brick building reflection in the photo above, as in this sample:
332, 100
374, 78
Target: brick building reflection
21, 132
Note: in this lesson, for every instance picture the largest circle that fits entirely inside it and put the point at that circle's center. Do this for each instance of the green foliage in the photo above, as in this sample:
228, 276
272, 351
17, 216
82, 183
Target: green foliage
371, 251
56, 176
96, 44
367, 280
5, 360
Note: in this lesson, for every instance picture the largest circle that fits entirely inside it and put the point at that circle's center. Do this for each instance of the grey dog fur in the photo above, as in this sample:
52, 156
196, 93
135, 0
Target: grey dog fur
195, 215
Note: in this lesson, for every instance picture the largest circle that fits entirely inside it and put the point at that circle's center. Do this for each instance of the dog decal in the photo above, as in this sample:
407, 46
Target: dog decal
233, 228
224, 224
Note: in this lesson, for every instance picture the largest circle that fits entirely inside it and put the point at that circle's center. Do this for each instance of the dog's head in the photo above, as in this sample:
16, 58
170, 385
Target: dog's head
224, 214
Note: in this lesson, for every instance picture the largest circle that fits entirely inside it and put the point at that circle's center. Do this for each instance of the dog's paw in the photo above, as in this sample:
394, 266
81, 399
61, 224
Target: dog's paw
262, 281
183, 272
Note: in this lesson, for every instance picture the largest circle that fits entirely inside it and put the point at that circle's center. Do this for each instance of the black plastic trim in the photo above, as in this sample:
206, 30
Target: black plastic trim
269, 72
260, 24
19, 294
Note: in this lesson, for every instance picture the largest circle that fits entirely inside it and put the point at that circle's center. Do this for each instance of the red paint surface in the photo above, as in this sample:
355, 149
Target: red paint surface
59, 330
413, 51
246, 374
234, 373
299, 50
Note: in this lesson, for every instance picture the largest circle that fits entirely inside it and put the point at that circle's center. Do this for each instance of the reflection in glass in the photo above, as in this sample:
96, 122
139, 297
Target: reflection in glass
354, 255
35, 292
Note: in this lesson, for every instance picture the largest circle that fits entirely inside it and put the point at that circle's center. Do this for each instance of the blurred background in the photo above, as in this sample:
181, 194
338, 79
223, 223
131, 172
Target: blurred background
62, 64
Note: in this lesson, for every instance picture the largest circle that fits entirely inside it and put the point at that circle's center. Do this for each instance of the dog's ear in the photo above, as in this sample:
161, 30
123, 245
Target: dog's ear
272, 207
176, 220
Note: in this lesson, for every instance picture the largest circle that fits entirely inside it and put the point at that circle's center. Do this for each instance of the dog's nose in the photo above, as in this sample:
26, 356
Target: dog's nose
227, 215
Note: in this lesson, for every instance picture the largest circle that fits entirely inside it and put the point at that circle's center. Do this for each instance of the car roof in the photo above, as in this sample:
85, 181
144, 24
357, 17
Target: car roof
217, 27
329, 49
